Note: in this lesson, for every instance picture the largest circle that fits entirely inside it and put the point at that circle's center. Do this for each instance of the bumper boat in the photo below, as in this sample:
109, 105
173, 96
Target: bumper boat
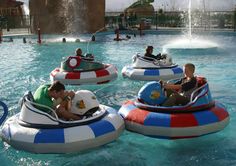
201, 116
150, 69
35, 131
76, 70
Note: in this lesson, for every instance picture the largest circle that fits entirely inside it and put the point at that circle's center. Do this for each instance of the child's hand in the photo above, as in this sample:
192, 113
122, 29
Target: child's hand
71, 94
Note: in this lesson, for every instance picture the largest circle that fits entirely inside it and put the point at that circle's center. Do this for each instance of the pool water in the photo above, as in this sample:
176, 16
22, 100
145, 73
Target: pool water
25, 66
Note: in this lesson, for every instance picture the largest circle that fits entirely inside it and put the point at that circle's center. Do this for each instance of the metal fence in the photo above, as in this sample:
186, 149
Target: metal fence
12, 22
207, 20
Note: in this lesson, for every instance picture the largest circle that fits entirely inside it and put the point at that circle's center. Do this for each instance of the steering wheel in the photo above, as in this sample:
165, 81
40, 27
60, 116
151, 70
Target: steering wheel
156, 62
162, 86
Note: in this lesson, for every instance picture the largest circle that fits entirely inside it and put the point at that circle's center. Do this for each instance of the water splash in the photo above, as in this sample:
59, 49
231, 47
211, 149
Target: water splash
94, 35
190, 19
26, 9
74, 12
189, 42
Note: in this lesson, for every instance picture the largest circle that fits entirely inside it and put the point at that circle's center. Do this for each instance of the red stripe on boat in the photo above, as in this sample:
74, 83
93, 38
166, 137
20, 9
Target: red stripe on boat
183, 120
221, 113
137, 115
101, 73
129, 102
73, 75
54, 72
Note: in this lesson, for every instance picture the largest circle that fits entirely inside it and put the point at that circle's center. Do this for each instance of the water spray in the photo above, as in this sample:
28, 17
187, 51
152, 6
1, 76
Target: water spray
94, 36
190, 19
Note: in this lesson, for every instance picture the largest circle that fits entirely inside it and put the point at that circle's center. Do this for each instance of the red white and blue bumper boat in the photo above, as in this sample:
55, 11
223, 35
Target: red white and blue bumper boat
76, 70
201, 116
149, 69
36, 131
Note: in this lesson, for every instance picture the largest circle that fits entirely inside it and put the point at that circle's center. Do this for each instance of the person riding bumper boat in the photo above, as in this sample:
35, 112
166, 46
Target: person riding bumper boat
149, 116
36, 131
150, 67
76, 70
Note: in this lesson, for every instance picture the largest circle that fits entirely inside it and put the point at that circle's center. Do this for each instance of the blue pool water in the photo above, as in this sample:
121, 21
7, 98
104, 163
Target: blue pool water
25, 66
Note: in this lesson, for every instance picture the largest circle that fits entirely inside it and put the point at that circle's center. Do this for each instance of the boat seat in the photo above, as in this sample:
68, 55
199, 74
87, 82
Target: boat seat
148, 58
29, 96
201, 81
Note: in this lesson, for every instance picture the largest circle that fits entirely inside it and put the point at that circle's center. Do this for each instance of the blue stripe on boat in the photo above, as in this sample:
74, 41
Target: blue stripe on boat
205, 117
101, 127
157, 119
177, 70
50, 136
151, 72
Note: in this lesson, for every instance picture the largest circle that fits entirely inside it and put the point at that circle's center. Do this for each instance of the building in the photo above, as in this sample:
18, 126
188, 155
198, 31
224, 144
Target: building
11, 14
11, 8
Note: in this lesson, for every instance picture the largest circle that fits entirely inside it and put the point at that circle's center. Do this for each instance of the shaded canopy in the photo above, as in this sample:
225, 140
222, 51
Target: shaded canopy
10, 3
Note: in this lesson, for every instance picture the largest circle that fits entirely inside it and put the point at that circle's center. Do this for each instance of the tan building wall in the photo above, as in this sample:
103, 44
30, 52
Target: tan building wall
66, 16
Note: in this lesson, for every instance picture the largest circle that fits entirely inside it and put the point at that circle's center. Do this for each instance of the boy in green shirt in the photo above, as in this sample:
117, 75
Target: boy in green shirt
46, 93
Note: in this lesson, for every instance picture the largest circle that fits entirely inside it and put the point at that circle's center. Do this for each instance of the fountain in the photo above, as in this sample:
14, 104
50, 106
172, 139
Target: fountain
189, 42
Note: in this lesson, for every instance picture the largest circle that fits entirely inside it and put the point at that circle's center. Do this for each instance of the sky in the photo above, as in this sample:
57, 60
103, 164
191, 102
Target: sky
219, 5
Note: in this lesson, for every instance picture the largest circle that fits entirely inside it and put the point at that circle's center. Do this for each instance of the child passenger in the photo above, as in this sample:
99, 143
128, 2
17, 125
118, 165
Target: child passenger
180, 92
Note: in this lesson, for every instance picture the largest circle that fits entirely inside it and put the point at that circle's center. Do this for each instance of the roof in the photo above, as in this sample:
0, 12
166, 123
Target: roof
10, 3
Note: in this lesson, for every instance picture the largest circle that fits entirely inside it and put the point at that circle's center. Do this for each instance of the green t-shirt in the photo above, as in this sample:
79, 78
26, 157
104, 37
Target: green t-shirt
41, 97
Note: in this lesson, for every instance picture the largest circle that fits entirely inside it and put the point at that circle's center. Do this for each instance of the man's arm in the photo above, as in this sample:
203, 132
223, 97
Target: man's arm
63, 113
172, 86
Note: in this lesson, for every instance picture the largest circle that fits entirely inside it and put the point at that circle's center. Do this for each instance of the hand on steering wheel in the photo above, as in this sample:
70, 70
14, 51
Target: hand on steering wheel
156, 62
163, 83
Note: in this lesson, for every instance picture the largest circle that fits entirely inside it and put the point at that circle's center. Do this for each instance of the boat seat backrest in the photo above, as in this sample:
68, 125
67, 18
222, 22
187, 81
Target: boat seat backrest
201, 81
29, 96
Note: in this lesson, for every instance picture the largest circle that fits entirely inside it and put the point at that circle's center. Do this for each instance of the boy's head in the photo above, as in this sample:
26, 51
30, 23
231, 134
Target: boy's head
56, 90
189, 69
149, 49
79, 52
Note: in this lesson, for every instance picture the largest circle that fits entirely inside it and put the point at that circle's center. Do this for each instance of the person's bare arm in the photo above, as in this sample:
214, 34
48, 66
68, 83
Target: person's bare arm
172, 87
71, 94
62, 113
63, 110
